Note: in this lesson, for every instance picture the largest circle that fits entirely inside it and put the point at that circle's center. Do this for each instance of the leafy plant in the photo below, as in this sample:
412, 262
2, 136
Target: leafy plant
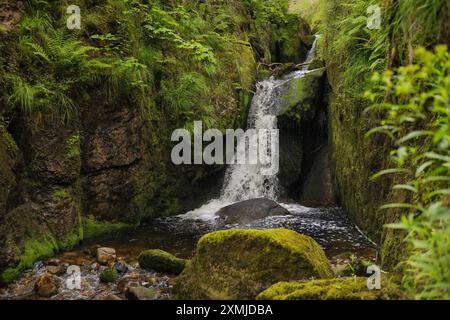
414, 102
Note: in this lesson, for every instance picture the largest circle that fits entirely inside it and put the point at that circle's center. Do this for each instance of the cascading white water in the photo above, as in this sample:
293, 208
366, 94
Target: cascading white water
246, 181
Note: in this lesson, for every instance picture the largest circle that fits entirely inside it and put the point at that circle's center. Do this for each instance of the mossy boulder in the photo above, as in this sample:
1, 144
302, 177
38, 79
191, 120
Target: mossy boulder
300, 94
238, 264
109, 275
354, 288
161, 261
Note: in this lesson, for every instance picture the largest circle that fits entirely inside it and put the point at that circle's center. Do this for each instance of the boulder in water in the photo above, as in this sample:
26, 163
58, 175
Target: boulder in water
251, 210
239, 264
161, 261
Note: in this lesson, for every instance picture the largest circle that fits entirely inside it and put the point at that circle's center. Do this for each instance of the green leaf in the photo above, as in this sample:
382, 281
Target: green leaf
413, 135
389, 171
405, 187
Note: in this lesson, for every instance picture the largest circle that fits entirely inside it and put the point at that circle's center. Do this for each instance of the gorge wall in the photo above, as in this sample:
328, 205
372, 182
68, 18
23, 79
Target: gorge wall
352, 53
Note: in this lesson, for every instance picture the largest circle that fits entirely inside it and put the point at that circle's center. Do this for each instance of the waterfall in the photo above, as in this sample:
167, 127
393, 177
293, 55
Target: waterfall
245, 181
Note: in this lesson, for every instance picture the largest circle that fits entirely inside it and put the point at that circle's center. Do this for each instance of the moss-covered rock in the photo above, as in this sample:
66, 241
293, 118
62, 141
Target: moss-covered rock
24, 240
109, 275
238, 264
330, 289
300, 94
161, 261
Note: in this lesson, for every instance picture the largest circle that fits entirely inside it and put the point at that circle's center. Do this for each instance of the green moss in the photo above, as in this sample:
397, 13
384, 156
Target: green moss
302, 92
238, 264
61, 193
161, 261
330, 289
33, 250
73, 146
109, 275
71, 240
94, 228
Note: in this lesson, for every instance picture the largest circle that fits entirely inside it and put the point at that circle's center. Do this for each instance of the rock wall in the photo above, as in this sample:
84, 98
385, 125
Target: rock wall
303, 123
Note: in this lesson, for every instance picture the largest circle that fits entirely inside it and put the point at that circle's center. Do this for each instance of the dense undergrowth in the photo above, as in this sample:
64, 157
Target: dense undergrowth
166, 57
408, 87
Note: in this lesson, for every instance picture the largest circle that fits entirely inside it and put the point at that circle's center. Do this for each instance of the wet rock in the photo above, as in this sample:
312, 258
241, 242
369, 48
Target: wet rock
239, 264
92, 250
121, 267
54, 262
109, 275
161, 261
46, 286
141, 293
106, 255
95, 266
251, 210
317, 190
56, 270
126, 283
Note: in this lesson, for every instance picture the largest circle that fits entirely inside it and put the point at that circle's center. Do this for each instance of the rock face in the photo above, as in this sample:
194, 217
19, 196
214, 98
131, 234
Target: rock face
10, 14
251, 210
161, 261
239, 264
46, 286
354, 288
317, 187
303, 125
9, 162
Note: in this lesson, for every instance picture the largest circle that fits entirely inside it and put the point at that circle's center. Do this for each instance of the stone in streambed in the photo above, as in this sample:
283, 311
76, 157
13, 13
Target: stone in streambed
106, 255
109, 275
141, 293
161, 261
46, 286
239, 264
251, 210
126, 283
56, 270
